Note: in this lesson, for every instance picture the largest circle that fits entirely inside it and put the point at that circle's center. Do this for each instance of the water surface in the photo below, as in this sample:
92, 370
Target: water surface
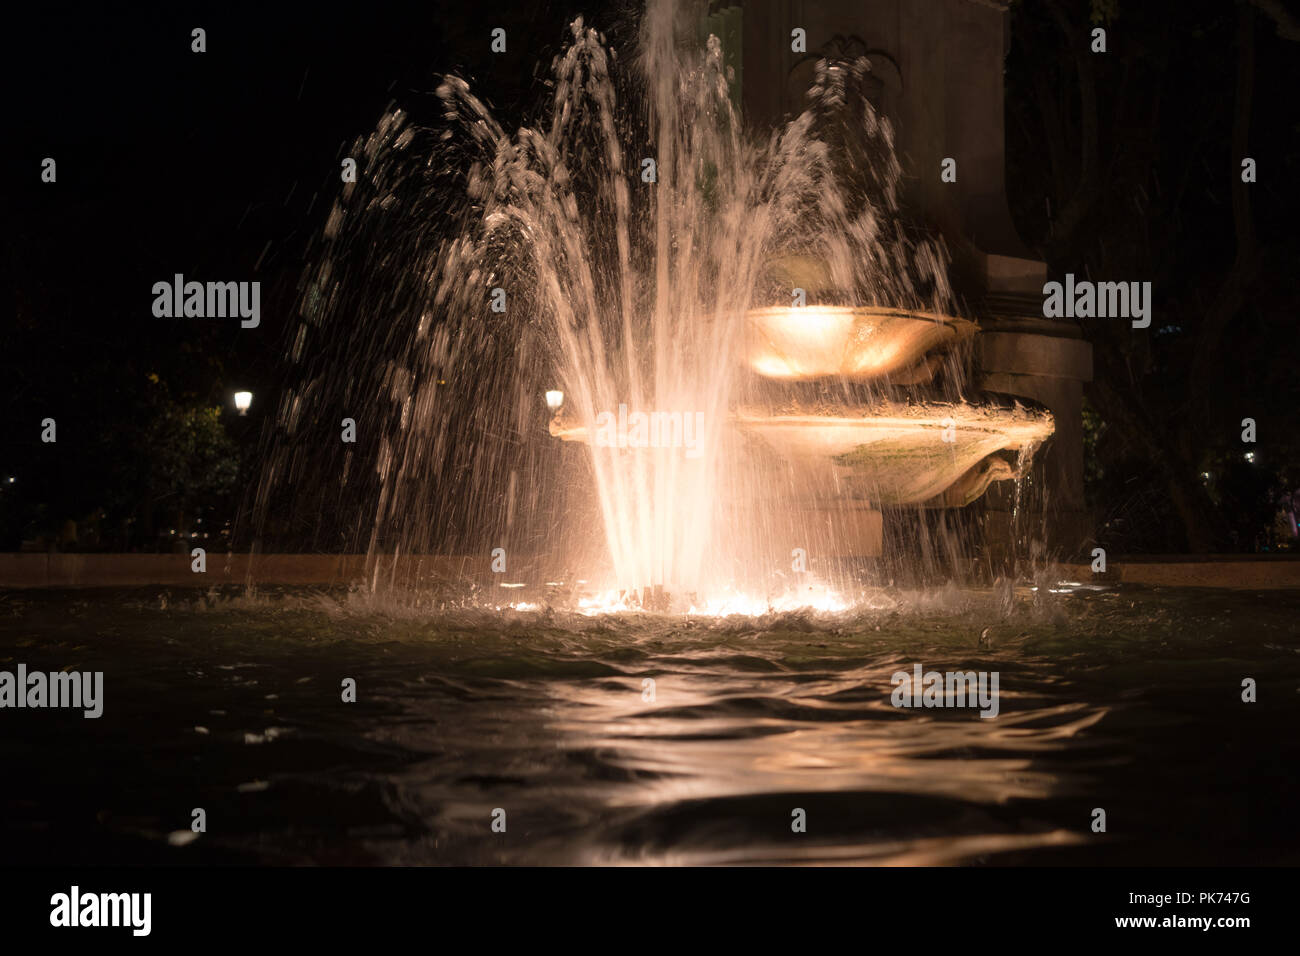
1127, 700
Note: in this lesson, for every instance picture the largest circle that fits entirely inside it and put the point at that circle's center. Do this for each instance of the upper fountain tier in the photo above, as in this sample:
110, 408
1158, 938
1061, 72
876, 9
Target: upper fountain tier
852, 344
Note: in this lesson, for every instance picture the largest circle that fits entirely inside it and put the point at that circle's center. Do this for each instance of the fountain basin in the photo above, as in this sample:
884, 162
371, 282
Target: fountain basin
938, 455
887, 454
860, 344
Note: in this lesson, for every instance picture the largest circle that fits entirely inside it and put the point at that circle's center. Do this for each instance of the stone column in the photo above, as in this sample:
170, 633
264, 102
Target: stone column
1022, 354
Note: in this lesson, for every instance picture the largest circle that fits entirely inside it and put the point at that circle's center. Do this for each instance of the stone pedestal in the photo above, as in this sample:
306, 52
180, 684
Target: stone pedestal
1046, 361
844, 529
762, 542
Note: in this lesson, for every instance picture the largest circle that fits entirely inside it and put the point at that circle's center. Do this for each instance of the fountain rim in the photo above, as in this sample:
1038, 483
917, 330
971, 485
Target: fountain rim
955, 322
1025, 426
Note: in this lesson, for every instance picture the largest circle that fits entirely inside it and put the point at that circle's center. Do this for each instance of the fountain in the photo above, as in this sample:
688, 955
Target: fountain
639, 356
772, 330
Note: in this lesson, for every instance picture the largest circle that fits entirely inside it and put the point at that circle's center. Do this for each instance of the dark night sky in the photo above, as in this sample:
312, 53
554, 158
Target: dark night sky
204, 164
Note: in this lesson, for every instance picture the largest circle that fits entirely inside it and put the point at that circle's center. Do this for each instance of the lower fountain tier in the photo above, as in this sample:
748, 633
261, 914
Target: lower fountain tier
927, 455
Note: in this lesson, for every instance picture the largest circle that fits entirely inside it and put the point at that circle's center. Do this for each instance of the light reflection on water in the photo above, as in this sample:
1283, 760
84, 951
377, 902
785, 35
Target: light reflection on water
1124, 700
816, 744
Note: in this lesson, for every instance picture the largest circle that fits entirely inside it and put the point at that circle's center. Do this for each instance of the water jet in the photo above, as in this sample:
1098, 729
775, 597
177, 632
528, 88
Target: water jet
818, 428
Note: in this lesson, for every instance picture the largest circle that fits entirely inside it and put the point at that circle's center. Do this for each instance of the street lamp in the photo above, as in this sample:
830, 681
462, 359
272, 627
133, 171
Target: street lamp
554, 399
242, 401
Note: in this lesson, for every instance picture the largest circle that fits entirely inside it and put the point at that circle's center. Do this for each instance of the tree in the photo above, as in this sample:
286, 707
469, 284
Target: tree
1137, 153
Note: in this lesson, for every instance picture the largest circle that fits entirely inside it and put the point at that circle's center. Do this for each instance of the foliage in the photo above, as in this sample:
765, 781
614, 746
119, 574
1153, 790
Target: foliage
1126, 166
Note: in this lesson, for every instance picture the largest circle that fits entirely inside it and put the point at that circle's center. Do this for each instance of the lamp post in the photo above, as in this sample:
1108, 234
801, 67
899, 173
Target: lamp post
242, 401
554, 399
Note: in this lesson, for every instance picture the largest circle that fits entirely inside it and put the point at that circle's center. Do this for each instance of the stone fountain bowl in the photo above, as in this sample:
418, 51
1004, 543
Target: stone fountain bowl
886, 454
933, 455
860, 344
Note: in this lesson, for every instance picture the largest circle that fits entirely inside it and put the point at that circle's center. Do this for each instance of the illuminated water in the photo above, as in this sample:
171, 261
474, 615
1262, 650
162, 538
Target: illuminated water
1122, 699
472, 268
